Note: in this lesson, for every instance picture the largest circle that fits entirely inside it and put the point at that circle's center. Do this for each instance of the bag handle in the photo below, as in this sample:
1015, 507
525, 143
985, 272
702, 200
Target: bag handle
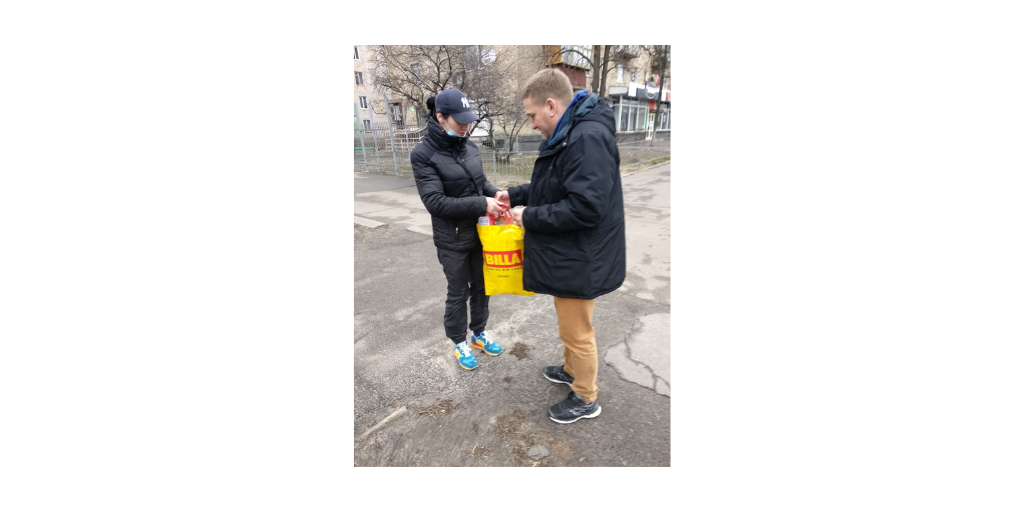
506, 213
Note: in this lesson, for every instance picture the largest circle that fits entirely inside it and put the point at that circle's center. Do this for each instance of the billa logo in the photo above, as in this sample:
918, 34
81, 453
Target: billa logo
503, 259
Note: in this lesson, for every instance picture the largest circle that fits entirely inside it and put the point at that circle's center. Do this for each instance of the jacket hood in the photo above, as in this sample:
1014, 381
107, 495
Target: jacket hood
584, 107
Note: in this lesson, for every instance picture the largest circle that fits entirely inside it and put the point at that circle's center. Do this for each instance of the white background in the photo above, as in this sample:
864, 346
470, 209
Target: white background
176, 257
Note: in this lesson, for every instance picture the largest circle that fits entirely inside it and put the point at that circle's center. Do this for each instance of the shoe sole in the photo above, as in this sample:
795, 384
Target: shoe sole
485, 350
466, 367
594, 415
556, 381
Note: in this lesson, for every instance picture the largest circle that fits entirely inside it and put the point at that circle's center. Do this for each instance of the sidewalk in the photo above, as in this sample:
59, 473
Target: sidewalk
438, 414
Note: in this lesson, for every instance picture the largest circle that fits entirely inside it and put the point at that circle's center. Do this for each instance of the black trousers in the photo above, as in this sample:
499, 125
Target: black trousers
465, 273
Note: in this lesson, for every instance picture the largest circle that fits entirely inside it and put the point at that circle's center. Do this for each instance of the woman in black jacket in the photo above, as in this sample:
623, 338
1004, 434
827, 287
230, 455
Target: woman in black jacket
452, 185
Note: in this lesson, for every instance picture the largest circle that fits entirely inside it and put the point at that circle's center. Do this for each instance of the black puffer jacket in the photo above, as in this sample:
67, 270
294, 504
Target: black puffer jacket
452, 185
575, 241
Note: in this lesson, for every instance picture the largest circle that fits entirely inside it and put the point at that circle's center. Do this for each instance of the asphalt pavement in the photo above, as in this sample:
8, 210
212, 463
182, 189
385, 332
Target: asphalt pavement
414, 406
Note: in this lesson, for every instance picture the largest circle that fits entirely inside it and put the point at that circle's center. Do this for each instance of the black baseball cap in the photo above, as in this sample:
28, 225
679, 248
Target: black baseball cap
454, 103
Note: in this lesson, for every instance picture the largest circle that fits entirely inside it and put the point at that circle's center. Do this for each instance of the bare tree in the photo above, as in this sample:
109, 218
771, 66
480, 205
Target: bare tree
661, 61
412, 73
567, 53
511, 117
572, 56
605, 59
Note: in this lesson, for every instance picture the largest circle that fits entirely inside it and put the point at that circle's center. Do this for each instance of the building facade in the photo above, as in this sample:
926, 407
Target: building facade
631, 85
364, 97
632, 88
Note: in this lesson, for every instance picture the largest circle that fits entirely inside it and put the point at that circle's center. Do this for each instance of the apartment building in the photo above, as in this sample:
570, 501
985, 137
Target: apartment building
632, 87
631, 84
363, 94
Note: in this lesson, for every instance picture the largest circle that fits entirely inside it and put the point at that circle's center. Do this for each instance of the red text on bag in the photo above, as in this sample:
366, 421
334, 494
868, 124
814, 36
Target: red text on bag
503, 259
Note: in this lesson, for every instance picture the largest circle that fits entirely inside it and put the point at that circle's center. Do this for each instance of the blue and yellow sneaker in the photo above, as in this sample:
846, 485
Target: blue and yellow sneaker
466, 358
483, 342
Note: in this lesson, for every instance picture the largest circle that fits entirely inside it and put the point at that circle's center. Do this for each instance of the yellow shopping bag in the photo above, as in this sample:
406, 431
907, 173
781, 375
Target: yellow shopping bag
503, 255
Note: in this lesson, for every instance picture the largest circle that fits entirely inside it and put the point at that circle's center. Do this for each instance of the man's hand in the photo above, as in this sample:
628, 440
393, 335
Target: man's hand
493, 206
517, 216
502, 196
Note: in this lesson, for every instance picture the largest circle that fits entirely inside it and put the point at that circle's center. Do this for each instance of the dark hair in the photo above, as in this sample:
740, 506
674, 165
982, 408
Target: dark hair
431, 109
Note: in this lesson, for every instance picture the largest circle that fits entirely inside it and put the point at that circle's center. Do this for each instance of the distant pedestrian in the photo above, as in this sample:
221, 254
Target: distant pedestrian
451, 182
575, 238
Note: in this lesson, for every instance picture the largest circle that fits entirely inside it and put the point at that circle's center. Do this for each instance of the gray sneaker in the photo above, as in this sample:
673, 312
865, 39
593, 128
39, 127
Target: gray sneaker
557, 374
572, 409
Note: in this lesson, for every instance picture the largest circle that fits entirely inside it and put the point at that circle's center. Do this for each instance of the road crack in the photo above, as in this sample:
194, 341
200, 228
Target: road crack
632, 329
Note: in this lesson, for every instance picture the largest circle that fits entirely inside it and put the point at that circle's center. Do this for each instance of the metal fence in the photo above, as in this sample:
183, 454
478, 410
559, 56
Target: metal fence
388, 151
384, 137
504, 168
500, 167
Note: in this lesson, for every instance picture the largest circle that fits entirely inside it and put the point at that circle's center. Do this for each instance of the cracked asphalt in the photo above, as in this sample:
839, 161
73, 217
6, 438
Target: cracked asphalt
441, 415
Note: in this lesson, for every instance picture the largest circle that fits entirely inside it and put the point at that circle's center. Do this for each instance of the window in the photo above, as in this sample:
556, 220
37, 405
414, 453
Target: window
632, 115
415, 68
359, 78
366, 125
620, 73
396, 113
357, 52
665, 119
362, 102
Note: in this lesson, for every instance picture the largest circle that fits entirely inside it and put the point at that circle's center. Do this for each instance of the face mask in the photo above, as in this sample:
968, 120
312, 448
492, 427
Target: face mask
451, 133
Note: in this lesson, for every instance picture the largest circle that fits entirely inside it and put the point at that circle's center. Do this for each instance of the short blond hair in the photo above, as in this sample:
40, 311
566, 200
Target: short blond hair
548, 83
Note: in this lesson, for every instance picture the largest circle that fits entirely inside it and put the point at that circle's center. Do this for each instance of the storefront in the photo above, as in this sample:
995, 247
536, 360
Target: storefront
634, 107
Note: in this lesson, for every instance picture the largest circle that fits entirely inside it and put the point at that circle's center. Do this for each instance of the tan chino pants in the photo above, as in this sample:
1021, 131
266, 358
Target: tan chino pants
577, 332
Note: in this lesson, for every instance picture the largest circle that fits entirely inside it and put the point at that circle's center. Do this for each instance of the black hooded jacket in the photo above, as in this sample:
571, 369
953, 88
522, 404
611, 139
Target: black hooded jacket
452, 185
575, 240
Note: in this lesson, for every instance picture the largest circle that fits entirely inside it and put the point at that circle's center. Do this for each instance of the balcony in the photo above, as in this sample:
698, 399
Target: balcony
627, 51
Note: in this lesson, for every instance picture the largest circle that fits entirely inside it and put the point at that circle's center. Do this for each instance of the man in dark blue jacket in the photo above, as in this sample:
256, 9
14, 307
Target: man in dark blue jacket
575, 241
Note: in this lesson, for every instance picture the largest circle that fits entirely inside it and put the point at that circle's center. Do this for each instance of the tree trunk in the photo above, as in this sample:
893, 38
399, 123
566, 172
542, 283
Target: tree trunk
595, 72
661, 64
657, 107
604, 69
512, 137
490, 133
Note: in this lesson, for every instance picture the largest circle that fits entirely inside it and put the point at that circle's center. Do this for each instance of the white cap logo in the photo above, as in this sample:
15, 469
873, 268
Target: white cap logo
465, 103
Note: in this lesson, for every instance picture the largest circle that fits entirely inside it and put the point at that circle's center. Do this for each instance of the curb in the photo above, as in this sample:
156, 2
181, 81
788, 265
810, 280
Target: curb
647, 168
363, 221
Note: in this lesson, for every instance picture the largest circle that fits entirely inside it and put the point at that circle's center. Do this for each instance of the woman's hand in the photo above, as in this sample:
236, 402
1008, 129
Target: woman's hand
502, 196
494, 207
